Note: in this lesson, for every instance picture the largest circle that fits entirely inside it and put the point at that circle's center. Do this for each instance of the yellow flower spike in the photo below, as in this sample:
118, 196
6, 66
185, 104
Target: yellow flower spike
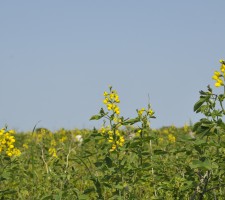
171, 138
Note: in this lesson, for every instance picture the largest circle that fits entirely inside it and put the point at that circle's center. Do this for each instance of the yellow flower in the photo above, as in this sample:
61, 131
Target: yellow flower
11, 132
3, 141
121, 141
216, 73
64, 138
105, 94
171, 138
2, 131
214, 77
109, 106
117, 100
16, 152
117, 110
140, 112
222, 68
102, 130
117, 133
52, 152
53, 142
110, 133
112, 96
110, 139
7, 141
165, 131
113, 148
9, 154
219, 83
150, 112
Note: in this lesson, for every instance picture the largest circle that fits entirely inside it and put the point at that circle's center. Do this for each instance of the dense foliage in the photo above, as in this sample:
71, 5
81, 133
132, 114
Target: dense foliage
124, 159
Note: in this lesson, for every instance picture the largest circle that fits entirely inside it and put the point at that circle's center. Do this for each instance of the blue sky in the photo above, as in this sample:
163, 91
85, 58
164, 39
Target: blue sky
58, 57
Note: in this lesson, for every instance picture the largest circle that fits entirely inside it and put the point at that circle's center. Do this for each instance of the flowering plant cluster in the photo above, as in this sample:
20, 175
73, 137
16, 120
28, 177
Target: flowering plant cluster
112, 133
7, 141
112, 100
219, 75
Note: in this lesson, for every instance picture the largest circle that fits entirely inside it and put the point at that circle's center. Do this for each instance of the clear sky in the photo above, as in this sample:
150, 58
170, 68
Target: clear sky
58, 57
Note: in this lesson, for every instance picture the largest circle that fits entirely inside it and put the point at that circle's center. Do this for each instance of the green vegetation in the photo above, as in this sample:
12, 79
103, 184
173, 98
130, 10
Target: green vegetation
124, 159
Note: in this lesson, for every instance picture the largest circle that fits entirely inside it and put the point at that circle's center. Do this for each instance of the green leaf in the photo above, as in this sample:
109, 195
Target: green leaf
47, 197
108, 161
131, 121
8, 191
98, 164
84, 197
145, 153
198, 104
159, 152
57, 197
96, 117
119, 186
201, 164
89, 190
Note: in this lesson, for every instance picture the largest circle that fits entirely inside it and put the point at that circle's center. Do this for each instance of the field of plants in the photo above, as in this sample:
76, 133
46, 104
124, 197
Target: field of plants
123, 160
